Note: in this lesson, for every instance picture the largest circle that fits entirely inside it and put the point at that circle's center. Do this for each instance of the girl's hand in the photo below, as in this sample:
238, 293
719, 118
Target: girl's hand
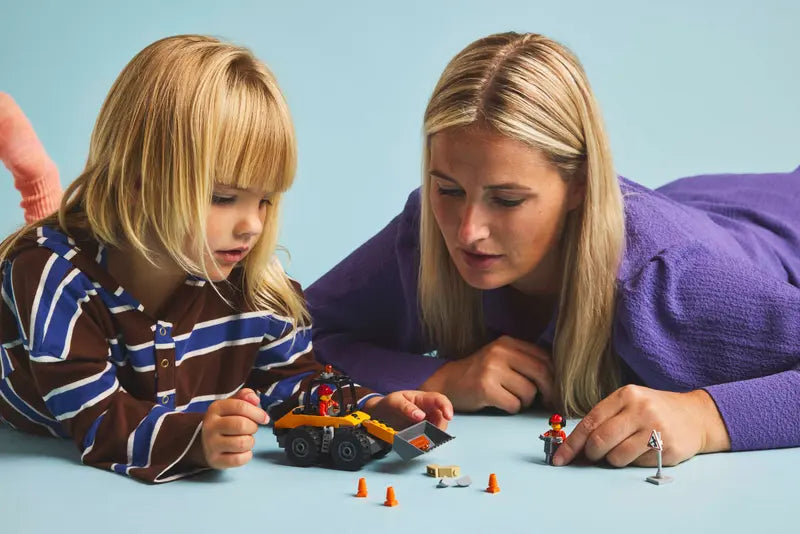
228, 428
617, 429
403, 408
506, 373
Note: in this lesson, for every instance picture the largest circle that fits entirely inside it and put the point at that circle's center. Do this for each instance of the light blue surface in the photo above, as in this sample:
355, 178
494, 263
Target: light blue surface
686, 87
44, 489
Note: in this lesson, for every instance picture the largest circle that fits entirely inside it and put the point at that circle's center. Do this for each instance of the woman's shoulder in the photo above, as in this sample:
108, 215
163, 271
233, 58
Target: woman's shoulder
722, 217
653, 225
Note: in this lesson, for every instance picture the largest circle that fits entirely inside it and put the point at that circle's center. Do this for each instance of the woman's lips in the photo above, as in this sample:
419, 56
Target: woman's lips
480, 261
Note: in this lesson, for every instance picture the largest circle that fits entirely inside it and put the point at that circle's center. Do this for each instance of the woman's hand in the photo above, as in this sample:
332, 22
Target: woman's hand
403, 408
618, 428
506, 373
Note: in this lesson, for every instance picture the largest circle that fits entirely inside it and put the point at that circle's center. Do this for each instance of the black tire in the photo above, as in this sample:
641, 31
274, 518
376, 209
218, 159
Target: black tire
349, 450
303, 445
385, 449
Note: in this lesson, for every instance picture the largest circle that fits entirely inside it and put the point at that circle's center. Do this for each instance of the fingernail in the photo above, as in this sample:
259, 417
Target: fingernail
558, 461
266, 418
418, 414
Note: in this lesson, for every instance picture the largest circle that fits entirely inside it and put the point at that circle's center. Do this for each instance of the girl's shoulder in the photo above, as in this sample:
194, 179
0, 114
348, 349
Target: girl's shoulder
46, 242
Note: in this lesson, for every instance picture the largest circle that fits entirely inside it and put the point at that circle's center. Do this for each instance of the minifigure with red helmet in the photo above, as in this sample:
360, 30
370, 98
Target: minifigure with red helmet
553, 437
327, 406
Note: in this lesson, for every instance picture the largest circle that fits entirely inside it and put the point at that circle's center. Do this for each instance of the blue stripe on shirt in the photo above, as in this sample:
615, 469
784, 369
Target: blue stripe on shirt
282, 390
73, 400
280, 351
230, 330
14, 400
5, 363
143, 436
88, 439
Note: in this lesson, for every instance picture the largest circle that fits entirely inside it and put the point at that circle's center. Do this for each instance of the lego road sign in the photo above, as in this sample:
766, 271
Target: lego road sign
655, 441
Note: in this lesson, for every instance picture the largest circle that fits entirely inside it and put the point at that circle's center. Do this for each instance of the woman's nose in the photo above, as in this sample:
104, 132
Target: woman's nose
473, 225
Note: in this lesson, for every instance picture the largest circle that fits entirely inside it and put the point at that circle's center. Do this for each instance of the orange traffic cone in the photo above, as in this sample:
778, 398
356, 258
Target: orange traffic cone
390, 499
362, 488
493, 487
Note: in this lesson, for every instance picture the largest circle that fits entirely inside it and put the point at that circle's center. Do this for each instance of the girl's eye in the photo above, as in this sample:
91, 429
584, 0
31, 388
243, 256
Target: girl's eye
449, 191
222, 199
266, 202
508, 202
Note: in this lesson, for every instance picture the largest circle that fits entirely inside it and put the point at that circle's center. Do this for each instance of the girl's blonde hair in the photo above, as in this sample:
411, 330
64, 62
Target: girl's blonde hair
186, 112
534, 90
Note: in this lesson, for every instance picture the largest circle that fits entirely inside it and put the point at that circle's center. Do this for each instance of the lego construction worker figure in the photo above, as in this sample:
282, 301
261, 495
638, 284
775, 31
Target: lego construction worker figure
327, 406
554, 437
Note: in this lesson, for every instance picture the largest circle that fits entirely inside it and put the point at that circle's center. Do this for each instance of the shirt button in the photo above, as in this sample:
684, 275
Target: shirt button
162, 331
165, 399
165, 363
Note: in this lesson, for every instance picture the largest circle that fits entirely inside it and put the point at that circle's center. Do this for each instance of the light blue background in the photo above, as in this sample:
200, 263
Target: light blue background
687, 88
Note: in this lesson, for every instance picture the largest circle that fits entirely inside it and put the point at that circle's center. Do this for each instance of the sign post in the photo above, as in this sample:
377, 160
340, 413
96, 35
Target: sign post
655, 443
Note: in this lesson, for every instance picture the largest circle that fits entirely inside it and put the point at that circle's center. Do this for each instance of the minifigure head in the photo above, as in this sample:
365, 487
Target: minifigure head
557, 422
324, 391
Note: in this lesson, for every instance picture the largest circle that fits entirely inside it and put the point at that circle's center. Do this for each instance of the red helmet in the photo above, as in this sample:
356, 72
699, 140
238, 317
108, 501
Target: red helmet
556, 419
324, 389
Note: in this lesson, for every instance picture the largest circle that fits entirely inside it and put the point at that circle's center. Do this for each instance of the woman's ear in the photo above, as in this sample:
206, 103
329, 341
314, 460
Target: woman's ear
576, 192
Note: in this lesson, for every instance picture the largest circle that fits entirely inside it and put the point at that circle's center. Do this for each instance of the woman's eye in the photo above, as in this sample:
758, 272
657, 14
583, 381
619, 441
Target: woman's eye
222, 199
508, 202
449, 191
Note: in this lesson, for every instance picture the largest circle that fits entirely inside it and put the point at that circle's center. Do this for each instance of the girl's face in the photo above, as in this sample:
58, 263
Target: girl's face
234, 223
501, 207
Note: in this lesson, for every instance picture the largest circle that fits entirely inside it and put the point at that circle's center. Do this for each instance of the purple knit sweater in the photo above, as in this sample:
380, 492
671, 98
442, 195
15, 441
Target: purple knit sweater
708, 297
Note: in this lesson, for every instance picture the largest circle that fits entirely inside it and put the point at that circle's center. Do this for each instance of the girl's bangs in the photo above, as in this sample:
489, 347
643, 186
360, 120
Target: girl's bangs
255, 142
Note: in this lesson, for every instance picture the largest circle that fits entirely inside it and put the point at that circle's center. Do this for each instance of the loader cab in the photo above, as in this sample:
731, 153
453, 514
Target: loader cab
340, 383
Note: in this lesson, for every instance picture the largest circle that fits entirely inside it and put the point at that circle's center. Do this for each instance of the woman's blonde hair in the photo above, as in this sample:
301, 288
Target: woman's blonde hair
187, 112
534, 90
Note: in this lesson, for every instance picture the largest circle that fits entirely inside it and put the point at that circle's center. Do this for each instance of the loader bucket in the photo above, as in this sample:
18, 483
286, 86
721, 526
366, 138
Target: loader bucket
419, 439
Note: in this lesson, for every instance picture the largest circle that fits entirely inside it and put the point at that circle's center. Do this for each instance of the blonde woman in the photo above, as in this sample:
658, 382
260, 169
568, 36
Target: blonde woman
148, 320
531, 270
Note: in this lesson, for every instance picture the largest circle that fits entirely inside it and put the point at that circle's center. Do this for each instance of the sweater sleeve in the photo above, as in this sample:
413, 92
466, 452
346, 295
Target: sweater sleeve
35, 174
365, 314
59, 316
284, 367
692, 319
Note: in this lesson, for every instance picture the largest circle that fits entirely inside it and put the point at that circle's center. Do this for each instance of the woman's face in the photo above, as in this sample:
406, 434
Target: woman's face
501, 207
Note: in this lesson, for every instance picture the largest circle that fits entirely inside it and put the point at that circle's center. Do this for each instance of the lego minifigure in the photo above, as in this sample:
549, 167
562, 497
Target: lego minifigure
327, 406
554, 437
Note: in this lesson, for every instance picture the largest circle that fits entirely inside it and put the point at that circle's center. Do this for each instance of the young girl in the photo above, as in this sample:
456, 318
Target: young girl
148, 319
35, 174
531, 269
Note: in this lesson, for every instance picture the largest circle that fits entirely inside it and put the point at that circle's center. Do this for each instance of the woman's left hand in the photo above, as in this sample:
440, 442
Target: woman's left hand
403, 408
618, 428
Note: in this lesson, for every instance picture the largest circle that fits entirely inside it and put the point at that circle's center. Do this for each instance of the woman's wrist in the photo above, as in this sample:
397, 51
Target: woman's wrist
714, 431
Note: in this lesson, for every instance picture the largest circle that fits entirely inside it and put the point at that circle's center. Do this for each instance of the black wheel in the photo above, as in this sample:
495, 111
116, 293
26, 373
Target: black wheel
384, 450
302, 446
350, 450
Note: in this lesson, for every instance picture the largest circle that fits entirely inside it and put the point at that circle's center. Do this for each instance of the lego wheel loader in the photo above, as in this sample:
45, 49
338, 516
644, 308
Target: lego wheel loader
328, 429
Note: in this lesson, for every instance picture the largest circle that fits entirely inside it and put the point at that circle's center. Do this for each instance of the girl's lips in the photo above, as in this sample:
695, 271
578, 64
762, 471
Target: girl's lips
480, 261
231, 256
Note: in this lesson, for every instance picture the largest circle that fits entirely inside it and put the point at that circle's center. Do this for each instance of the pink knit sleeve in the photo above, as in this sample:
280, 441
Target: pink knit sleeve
35, 174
